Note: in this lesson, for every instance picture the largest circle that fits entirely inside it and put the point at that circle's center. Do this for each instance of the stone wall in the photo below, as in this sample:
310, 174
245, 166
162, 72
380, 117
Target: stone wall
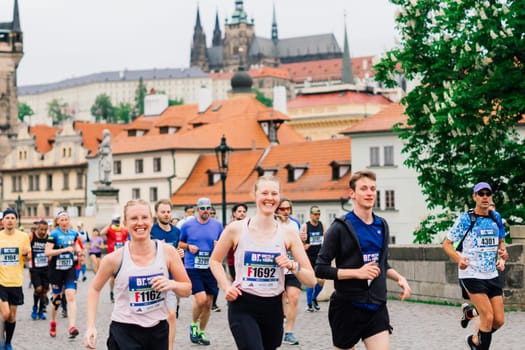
433, 276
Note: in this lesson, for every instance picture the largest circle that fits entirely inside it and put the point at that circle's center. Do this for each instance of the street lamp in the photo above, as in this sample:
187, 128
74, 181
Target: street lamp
19, 201
222, 152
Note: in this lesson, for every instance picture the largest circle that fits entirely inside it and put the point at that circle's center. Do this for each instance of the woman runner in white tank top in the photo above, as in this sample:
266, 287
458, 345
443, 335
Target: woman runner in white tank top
255, 311
141, 268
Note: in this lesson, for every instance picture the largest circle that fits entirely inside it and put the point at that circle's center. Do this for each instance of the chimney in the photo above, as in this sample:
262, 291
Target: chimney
154, 105
279, 99
205, 99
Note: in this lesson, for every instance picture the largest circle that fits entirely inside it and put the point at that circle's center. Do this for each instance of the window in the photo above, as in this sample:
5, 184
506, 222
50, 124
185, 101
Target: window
16, 182
135, 193
31, 210
295, 171
374, 156
139, 166
157, 165
153, 195
377, 204
80, 180
65, 185
389, 155
339, 169
34, 183
213, 177
390, 200
49, 183
117, 167
47, 210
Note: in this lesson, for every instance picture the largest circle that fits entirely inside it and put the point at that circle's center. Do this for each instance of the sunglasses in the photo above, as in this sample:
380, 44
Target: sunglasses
484, 193
205, 208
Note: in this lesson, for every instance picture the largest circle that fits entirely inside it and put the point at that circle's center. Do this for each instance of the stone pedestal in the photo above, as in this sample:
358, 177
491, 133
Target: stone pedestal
106, 204
517, 233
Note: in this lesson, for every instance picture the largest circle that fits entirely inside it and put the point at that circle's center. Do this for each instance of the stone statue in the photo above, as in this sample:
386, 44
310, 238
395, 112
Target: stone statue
105, 159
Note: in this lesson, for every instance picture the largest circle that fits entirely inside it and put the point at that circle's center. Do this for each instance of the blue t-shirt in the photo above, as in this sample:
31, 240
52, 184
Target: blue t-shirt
203, 236
170, 237
370, 236
61, 239
480, 245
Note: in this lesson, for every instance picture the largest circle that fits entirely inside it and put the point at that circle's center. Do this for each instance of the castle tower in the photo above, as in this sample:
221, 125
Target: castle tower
238, 37
11, 52
217, 34
199, 57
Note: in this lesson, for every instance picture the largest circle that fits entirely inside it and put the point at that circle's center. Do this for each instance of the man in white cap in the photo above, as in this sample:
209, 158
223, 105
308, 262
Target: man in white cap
480, 254
197, 238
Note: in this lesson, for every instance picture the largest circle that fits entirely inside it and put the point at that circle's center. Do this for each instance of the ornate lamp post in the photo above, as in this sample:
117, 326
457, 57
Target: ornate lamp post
19, 201
222, 152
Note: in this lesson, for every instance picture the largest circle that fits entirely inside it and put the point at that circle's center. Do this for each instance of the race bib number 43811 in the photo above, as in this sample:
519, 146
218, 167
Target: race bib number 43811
260, 270
142, 298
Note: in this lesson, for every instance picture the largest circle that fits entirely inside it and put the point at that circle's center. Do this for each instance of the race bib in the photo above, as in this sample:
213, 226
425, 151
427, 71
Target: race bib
64, 261
202, 260
119, 245
316, 238
142, 298
40, 260
260, 270
9, 256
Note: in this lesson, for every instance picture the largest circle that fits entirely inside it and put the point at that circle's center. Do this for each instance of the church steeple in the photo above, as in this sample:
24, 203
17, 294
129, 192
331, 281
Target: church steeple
275, 36
199, 57
347, 77
16, 19
217, 34
239, 15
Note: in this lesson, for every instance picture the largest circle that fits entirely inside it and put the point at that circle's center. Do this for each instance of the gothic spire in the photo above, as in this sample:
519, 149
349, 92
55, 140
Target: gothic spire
217, 34
16, 19
347, 77
198, 20
275, 36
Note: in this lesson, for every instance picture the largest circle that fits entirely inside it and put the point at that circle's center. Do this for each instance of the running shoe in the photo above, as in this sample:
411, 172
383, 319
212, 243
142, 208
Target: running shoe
290, 339
42, 315
64, 313
53, 329
309, 308
215, 308
34, 314
470, 343
84, 279
73, 332
8, 347
316, 305
202, 339
464, 319
194, 333
177, 311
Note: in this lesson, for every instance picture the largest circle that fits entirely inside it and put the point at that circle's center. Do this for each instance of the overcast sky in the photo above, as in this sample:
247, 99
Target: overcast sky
71, 38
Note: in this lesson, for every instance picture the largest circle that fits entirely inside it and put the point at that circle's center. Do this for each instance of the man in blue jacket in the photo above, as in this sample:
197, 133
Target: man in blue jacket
359, 244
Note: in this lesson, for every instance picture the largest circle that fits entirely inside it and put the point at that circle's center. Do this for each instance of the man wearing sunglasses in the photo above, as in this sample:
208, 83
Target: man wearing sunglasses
483, 253
198, 238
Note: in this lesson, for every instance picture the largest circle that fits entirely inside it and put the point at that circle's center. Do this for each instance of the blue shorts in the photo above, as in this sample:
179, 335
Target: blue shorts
62, 278
202, 280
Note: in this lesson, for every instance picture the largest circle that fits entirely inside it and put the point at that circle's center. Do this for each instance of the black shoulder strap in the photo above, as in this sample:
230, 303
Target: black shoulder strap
473, 218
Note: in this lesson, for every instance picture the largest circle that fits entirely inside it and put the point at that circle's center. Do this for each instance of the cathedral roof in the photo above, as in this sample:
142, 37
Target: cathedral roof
215, 56
308, 45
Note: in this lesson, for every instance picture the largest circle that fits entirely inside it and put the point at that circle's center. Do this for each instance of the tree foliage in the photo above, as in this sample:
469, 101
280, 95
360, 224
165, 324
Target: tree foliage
58, 111
103, 109
268, 102
24, 110
140, 94
469, 57
122, 113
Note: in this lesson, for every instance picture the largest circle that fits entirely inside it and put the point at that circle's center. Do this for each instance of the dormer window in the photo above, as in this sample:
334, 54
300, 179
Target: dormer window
132, 133
340, 169
168, 129
214, 176
295, 171
266, 171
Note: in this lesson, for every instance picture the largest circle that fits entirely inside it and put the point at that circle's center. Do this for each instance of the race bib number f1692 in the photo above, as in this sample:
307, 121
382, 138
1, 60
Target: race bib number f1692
260, 270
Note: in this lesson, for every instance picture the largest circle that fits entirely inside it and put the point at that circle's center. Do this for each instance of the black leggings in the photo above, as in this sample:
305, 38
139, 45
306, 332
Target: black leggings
256, 322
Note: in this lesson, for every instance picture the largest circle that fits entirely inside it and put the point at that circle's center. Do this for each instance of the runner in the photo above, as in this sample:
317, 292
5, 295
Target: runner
96, 244
141, 268
62, 246
14, 249
38, 269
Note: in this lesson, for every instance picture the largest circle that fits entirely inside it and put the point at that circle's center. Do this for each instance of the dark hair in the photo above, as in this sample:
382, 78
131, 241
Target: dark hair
285, 200
237, 206
187, 207
359, 175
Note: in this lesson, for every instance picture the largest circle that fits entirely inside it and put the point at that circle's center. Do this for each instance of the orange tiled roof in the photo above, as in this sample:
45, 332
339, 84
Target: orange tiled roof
337, 98
92, 134
259, 72
44, 136
316, 182
328, 69
382, 121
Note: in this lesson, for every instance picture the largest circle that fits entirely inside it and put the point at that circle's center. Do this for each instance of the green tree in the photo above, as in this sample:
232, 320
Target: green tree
123, 112
103, 109
268, 102
176, 102
24, 110
469, 57
140, 94
58, 111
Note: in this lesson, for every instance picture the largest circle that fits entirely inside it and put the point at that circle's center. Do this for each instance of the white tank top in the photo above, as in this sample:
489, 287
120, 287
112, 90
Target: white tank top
256, 271
135, 301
